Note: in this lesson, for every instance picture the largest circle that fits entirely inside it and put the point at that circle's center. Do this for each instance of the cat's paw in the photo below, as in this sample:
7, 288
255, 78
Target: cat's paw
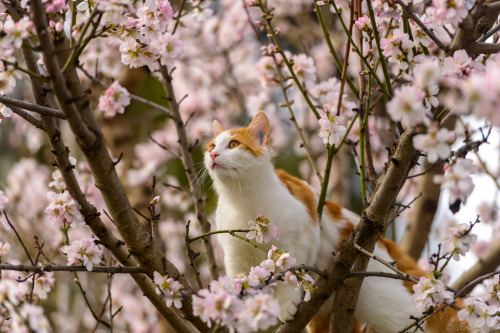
288, 310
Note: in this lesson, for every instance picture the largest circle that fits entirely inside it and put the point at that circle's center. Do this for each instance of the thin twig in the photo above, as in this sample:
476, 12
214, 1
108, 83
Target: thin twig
63, 268
28, 117
19, 238
43, 110
414, 17
192, 256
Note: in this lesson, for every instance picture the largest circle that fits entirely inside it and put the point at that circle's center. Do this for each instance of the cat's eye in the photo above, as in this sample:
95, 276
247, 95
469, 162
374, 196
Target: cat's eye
233, 144
211, 147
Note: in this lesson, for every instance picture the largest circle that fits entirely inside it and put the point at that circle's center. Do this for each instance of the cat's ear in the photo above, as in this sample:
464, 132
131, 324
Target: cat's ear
218, 129
259, 127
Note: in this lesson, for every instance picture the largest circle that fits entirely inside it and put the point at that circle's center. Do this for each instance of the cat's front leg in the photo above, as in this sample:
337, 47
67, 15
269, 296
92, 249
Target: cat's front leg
288, 299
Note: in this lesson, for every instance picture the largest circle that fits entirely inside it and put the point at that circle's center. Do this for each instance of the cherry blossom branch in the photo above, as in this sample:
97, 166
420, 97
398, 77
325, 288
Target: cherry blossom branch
19, 238
294, 120
379, 274
24, 70
111, 189
215, 233
66, 101
187, 160
78, 47
409, 12
39, 269
132, 96
457, 294
490, 33
336, 58
356, 49
385, 263
40, 109
382, 59
332, 150
267, 16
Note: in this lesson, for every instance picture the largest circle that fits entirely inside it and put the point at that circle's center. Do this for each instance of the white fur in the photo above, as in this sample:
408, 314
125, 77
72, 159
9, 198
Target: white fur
247, 185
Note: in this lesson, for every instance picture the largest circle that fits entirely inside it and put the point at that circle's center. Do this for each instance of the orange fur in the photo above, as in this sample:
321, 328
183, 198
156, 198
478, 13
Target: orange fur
247, 141
444, 321
321, 324
300, 191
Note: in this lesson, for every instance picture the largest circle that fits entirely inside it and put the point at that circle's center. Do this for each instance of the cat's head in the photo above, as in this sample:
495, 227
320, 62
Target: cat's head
238, 152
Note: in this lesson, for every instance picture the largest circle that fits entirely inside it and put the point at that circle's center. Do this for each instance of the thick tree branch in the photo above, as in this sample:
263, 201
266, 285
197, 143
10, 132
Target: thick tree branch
63, 268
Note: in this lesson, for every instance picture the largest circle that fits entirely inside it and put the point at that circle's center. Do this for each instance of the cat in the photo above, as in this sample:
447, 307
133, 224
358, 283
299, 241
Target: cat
239, 163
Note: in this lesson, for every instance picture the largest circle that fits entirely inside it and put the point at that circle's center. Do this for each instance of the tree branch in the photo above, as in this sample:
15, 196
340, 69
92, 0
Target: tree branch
63, 268
365, 233
42, 110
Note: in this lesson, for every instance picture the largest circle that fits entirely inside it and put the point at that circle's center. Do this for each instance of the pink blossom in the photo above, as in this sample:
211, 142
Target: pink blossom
170, 49
258, 314
444, 11
262, 230
407, 106
114, 100
457, 179
304, 68
4, 249
43, 284
397, 48
332, 127
16, 32
170, 288
364, 23
136, 55
458, 240
460, 65
281, 258
430, 292
83, 251
54, 6
258, 274
3, 200
63, 208
435, 143
493, 291
34, 316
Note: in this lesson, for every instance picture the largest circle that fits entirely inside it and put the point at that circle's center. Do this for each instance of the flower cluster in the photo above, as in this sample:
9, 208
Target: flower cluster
478, 313
435, 143
63, 209
262, 230
430, 292
457, 179
114, 100
83, 252
170, 289
407, 106
222, 304
145, 39
278, 258
458, 240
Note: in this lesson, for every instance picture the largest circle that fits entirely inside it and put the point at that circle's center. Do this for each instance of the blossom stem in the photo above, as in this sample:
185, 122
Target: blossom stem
356, 49
383, 61
332, 150
77, 49
294, 121
336, 58
24, 70
73, 22
216, 232
288, 64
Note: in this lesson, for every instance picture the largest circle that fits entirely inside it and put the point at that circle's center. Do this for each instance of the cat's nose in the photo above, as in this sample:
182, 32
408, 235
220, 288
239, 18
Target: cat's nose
213, 155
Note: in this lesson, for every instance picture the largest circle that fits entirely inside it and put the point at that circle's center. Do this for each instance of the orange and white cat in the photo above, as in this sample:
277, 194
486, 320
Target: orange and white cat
239, 162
